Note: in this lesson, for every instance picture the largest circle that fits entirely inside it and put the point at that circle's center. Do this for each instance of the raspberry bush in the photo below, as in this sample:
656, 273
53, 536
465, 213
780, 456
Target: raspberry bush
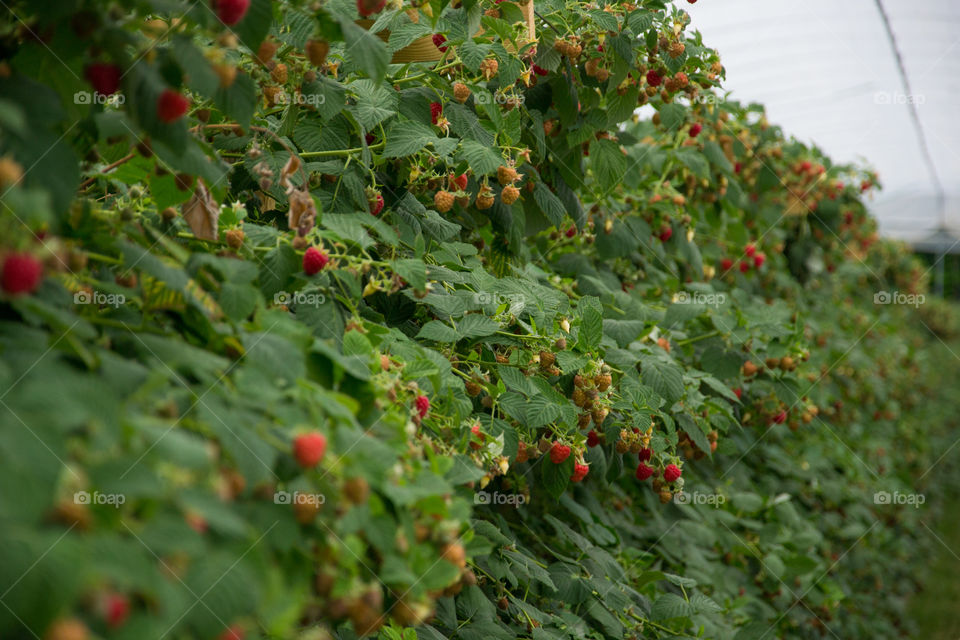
300, 343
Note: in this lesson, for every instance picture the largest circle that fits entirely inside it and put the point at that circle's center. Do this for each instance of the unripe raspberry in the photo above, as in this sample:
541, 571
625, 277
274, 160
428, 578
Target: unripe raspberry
279, 73
510, 194
488, 68
235, 238
485, 198
376, 204
461, 92
506, 174
317, 51
443, 201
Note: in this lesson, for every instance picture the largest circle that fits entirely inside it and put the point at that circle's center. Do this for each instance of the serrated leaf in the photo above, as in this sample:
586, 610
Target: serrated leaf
591, 323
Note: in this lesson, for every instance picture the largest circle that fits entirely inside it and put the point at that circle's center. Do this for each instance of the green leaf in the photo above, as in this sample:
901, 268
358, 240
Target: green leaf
375, 103
666, 378
672, 116
365, 50
608, 163
406, 138
591, 323
483, 159
549, 204
256, 24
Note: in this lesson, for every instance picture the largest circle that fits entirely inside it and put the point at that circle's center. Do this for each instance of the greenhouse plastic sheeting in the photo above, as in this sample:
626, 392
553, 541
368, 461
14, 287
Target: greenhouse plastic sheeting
828, 73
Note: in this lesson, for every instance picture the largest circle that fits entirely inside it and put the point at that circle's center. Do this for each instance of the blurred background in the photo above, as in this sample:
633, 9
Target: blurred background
873, 81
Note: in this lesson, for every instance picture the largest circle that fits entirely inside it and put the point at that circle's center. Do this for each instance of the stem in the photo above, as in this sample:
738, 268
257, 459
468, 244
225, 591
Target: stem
107, 169
712, 334
99, 257
341, 152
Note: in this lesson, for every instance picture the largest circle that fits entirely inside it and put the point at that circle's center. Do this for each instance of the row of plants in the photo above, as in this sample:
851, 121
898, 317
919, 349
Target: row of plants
545, 338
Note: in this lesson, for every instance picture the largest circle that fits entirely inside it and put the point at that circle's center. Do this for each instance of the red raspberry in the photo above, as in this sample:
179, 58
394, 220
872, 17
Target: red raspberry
314, 260
233, 632
104, 77
376, 206
461, 181
805, 166
726, 264
476, 435
644, 471
695, 129
750, 250
309, 448
423, 406
592, 438
540, 71
671, 472
438, 40
665, 234
780, 418
171, 105
370, 7
231, 12
653, 78
115, 609
580, 472
738, 392
21, 273
645, 454
744, 267
436, 110
559, 453
758, 260
571, 231
370, 139
737, 167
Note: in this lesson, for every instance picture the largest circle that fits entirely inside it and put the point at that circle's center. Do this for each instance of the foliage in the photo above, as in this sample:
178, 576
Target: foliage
574, 242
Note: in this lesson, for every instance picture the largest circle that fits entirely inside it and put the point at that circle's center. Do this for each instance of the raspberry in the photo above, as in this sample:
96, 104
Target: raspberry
737, 167
278, 73
675, 49
436, 110
438, 40
580, 472
695, 129
21, 273
559, 453
571, 231
653, 78
759, 259
171, 105
780, 418
370, 7
738, 392
485, 198
744, 267
665, 233
376, 205
681, 80
750, 250
443, 201
523, 452
509, 194
231, 12
67, 629
460, 181
460, 92
603, 382
314, 260
506, 175
235, 238
115, 609
317, 51
423, 405
645, 454
489, 68
726, 264
644, 471
592, 438
671, 472
540, 71
233, 632
309, 448
104, 77
476, 436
